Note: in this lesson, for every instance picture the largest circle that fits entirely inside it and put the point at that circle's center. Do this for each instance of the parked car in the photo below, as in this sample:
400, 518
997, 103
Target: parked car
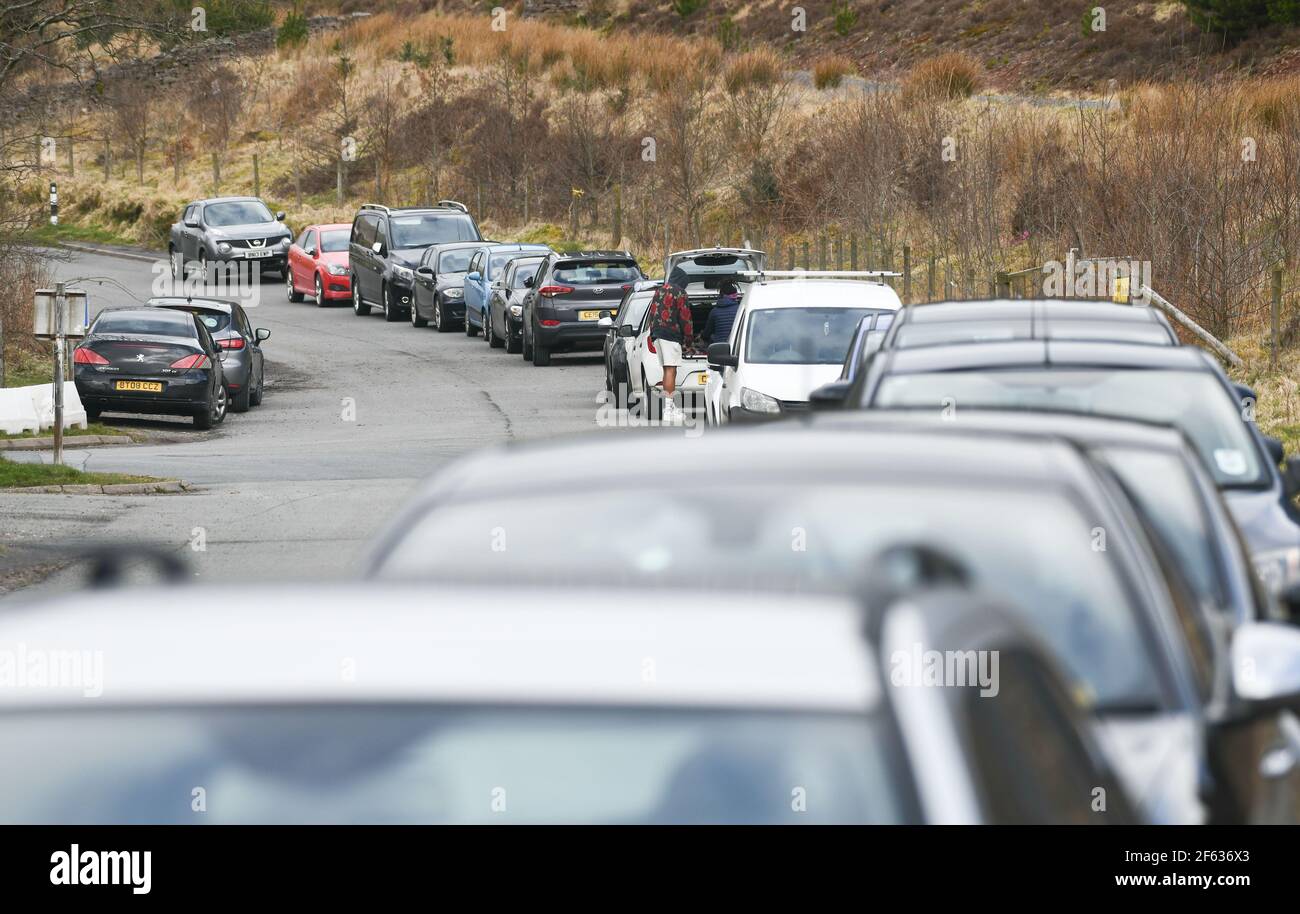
563, 308
505, 325
152, 361
698, 274
243, 366
439, 292
318, 264
790, 337
1176, 385
620, 334
484, 269
538, 712
1192, 736
386, 245
226, 230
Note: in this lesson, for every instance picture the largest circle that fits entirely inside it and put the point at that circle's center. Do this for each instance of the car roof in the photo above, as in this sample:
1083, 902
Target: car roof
759, 456
456, 645
328, 226
517, 246
1045, 354
594, 255
833, 293
208, 200
140, 311
210, 304
1021, 319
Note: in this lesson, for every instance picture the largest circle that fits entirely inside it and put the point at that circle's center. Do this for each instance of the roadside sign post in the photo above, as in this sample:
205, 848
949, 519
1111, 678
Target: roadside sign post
54, 203
60, 316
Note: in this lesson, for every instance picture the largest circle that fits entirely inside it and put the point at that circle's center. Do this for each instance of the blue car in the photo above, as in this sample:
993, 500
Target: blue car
484, 268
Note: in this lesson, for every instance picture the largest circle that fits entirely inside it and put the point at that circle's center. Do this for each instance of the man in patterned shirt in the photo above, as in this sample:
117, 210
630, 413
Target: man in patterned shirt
670, 328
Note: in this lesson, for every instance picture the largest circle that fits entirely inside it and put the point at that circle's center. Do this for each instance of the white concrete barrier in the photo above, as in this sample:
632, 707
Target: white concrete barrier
74, 414
17, 411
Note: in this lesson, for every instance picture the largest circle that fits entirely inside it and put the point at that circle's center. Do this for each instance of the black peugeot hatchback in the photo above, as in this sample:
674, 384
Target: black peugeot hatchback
150, 361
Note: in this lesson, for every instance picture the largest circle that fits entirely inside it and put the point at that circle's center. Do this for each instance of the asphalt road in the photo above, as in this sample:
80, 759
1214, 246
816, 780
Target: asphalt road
294, 488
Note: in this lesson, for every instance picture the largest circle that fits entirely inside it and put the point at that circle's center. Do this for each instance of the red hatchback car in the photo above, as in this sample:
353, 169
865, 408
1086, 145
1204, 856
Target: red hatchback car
318, 264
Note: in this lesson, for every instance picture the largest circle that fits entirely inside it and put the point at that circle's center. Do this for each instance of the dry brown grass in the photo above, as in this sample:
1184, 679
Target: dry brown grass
760, 68
829, 71
949, 76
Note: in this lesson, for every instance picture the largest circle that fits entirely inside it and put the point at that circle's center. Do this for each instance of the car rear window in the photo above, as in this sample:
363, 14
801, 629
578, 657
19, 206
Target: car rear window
597, 272
215, 321
159, 324
524, 272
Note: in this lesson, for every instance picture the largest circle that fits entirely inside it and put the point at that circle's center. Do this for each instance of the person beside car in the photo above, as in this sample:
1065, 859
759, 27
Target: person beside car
670, 327
717, 327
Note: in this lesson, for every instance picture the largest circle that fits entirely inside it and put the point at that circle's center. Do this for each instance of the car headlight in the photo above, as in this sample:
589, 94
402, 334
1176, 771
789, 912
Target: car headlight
1278, 568
453, 293
402, 273
286, 241
223, 247
516, 310
337, 269
756, 402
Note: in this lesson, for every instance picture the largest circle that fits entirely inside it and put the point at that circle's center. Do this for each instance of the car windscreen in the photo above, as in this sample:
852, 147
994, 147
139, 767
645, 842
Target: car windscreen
1162, 488
801, 537
596, 272
455, 261
1193, 401
335, 241
445, 765
801, 336
161, 323
215, 321
422, 230
637, 305
524, 272
242, 212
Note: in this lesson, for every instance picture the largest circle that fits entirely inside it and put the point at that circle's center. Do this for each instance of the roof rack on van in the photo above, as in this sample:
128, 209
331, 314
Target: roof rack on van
455, 204
760, 275
376, 206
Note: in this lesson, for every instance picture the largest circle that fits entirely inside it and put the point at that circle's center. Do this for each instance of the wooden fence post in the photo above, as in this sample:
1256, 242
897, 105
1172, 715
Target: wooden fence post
257, 177
929, 280
1277, 315
806, 258
907, 273
853, 251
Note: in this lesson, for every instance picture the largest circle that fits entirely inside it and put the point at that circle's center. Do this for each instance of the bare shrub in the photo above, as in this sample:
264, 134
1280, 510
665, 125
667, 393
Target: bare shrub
952, 75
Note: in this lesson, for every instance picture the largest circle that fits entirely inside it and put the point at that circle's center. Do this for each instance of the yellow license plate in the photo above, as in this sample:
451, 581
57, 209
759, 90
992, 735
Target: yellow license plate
150, 386
593, 315
702, 378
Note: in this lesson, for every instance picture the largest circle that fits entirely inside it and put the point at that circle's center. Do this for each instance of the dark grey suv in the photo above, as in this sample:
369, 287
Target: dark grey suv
229, 229
386, 247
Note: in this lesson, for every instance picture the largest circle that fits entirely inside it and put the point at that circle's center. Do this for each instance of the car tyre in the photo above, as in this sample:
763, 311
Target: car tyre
255, 397
290, 292
490, 332
241, 401
92, 413
439, 321
392, 313
512, 345
319, 291
359, 307
469, 328
215, 414
541, 355
416, 320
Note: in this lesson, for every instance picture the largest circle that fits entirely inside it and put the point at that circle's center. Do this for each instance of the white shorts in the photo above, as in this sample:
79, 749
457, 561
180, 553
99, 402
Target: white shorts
670, 353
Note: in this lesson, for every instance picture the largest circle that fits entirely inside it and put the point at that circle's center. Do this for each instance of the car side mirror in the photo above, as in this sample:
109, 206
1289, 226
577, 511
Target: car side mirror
473, 277
279, 217
1245, 392
627, 330
529, 282
720, 354
378, 248
1276, 450
425, 271
310, 252
1266, 663
830, 396
262, 334
191, 223
605, 323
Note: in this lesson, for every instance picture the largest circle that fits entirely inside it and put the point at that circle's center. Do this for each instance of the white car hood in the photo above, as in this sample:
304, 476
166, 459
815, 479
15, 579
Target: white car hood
786, 382
1155, 757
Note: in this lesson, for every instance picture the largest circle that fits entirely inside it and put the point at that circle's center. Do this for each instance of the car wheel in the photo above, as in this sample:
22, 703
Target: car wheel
392, 313
494, 341
439, 322
215, 413
469, 328
178, 262
359, 307
293, 294
320, 293
242, 400
541, 355
203, 268
512, 345
92, 413
526, 347
416, 320
255, 397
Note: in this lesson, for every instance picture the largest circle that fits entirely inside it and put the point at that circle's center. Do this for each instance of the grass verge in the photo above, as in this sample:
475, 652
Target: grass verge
94, 428
20, 475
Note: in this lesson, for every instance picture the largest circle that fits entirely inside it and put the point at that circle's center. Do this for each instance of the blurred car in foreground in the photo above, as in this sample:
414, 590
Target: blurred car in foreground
243, 365
152, 361
1022, 512
458, 705
318, 265
1181, 386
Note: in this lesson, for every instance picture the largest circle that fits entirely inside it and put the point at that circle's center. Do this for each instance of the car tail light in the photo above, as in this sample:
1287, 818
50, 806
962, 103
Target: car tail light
549, 291
626, 286
234, 343
82, 356
198, 360
550, 323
